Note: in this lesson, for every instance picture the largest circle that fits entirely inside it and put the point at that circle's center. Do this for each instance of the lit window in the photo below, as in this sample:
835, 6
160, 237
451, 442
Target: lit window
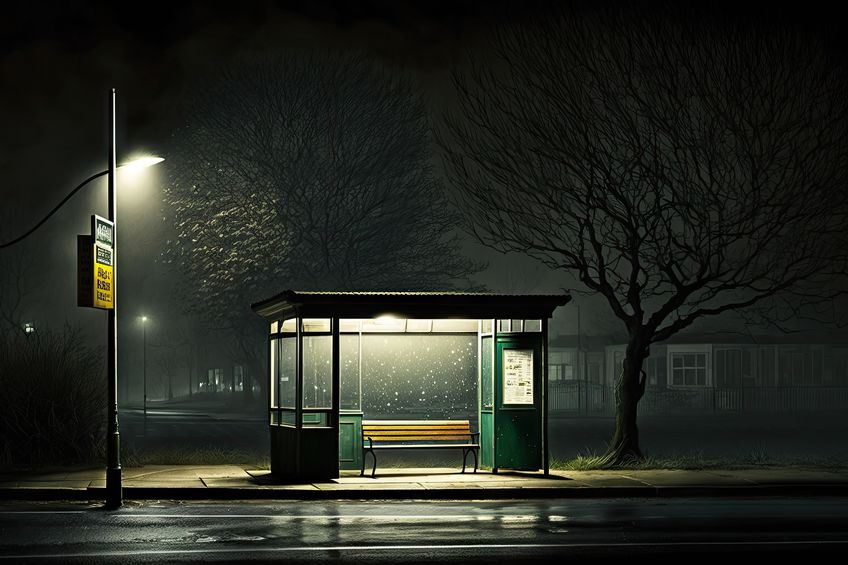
419, 326
455, 326
314, 325
349, 326
532, 325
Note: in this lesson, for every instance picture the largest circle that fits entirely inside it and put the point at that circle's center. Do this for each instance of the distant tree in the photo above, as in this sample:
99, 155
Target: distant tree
53, 405
679, 170
306, 171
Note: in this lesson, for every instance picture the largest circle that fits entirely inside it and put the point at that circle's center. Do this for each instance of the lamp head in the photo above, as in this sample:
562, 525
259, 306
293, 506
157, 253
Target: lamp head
141, 163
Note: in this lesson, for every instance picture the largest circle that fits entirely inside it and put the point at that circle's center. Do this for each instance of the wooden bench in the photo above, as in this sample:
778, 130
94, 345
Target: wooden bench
418, 434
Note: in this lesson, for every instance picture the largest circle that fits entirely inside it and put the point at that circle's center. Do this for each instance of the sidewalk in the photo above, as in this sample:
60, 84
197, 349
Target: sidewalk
232, 482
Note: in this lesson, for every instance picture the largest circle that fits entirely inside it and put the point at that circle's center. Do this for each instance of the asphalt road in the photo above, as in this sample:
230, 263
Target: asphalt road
425, 532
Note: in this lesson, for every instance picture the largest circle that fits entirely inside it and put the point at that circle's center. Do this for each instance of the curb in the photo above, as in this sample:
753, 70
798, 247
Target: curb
259, 493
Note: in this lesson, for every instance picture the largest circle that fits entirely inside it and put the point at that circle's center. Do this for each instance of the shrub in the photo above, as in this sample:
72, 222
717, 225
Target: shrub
52, 399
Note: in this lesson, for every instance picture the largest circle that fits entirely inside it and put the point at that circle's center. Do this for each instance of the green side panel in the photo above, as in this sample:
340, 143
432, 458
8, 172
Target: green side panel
519, 441
487, 434
312, 419
518, 427
308, 453
318, 453
350, 441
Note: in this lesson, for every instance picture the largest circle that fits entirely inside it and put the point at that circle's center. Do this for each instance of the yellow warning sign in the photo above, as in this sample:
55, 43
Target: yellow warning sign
103, 286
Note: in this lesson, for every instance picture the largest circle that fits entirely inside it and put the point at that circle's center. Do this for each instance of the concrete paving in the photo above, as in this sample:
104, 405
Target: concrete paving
232, 482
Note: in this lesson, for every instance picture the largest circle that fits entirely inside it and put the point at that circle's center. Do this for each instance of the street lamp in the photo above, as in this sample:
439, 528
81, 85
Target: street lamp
144, 367
113, 464
114, 494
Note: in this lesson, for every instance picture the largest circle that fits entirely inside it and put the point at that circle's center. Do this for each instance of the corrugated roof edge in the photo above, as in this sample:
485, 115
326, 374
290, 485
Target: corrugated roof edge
296, 299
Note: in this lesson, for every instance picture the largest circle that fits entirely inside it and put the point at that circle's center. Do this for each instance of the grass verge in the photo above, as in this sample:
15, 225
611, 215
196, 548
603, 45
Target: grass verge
696, 460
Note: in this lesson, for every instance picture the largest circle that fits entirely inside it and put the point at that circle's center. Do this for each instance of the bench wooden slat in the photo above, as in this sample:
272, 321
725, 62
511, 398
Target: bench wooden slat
394, 433
416, 427
415, 422
418, 438
383, 431
429, 446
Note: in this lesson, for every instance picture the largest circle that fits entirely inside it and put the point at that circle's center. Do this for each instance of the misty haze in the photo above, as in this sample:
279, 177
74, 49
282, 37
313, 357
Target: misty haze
679, 174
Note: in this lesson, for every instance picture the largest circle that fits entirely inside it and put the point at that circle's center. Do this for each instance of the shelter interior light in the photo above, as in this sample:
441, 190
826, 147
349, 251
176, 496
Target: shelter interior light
392, 324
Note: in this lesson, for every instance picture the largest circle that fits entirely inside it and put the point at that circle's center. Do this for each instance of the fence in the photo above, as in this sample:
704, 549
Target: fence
579, 397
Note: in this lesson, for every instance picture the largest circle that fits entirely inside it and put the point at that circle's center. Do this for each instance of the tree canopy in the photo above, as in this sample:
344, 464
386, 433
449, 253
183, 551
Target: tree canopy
678, 169
312, 171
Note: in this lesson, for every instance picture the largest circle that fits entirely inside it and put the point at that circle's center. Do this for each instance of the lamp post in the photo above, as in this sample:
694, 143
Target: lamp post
144, 367
114, 491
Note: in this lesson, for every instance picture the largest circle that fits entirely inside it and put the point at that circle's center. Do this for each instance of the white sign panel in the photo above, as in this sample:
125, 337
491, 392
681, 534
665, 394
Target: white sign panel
518, 376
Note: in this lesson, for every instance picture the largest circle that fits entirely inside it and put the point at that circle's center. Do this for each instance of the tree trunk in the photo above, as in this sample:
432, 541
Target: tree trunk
624, 447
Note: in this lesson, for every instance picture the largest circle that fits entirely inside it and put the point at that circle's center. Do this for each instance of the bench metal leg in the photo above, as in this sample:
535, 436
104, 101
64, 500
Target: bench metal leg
465, 452
365, 453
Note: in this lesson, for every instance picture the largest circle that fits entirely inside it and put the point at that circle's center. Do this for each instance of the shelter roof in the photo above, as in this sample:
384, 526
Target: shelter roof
291, 303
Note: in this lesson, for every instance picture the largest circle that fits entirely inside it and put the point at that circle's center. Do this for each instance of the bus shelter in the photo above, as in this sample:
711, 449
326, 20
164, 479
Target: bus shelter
336, 357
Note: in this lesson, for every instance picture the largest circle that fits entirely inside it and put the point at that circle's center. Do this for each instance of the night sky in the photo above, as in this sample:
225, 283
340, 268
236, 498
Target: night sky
58, 61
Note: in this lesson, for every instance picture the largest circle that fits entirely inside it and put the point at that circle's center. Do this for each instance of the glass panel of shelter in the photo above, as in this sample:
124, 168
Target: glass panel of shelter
317, 360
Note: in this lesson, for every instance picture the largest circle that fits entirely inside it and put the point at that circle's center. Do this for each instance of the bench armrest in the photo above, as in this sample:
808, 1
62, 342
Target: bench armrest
473, 436
370, 442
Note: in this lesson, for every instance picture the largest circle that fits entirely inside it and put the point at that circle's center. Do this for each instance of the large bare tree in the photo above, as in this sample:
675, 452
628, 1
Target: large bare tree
311, 170
678, 169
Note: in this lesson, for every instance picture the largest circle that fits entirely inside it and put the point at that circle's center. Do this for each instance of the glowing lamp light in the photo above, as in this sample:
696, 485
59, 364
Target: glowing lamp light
142, 163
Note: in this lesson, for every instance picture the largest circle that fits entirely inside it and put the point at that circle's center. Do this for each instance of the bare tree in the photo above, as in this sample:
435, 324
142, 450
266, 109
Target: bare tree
306, 171
678, 170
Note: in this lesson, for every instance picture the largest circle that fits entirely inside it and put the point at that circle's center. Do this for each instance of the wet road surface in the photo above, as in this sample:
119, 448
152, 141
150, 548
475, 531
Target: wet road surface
664, 530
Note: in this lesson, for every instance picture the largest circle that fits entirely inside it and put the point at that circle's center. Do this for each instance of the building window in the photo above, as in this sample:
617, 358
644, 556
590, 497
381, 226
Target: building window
655, 370
689, 369
766, 373
800, 366
594, 367
214, 380
840, 367
792, 367
561, 365
733, 368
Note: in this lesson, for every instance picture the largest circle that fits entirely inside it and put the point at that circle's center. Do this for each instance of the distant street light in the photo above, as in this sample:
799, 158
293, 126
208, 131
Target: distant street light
144, 367
29, 328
